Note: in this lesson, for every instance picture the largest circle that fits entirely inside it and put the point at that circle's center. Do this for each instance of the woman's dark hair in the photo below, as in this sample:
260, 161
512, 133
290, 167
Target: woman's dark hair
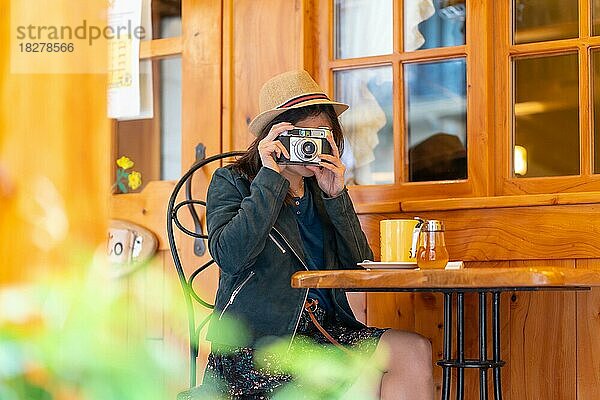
249, 164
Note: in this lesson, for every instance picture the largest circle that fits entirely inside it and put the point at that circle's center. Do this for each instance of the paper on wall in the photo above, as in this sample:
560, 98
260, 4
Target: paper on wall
129, 97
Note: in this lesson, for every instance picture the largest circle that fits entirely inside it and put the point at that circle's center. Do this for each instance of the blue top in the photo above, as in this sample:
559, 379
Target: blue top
311, 232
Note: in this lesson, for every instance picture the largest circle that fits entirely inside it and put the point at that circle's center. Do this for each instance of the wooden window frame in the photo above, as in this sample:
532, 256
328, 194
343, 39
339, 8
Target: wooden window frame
489, 53
475, 52
156, 49
505, 183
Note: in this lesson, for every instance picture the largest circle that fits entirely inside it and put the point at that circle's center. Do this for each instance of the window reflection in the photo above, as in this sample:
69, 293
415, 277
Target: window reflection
429, 24
363, 28
369, 140
436, 120
541, 20
546, 114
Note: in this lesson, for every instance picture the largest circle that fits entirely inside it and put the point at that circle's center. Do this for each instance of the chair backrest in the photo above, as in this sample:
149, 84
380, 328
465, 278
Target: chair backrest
189, 203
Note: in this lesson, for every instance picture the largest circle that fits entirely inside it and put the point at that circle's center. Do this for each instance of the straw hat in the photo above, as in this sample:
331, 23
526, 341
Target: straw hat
293, 89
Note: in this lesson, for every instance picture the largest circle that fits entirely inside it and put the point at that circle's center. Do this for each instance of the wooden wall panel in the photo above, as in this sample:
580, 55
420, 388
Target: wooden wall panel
266, 40
519, 233
588, 339
201, 83
543, 340
391, 310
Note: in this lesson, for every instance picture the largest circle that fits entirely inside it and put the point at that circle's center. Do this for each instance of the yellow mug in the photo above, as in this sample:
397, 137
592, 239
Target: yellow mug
396, 237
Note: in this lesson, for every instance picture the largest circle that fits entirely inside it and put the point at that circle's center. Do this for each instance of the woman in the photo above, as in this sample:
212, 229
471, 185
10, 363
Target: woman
265, 222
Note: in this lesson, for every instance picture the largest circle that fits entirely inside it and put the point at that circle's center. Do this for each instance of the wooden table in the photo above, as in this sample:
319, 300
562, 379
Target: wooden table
484, 281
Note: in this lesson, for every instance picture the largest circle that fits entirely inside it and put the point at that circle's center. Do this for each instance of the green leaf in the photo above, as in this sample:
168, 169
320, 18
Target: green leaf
122, 187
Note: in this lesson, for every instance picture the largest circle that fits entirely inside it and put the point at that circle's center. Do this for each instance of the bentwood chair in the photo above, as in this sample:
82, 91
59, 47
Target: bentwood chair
182, 200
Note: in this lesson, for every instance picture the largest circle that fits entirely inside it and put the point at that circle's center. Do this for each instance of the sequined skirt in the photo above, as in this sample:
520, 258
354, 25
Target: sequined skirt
237, 376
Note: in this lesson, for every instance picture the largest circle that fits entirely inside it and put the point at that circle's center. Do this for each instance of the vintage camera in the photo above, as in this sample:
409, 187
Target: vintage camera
304, 145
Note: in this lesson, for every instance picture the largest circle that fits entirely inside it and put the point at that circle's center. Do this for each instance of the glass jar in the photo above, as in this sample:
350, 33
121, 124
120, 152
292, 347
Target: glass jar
432, 253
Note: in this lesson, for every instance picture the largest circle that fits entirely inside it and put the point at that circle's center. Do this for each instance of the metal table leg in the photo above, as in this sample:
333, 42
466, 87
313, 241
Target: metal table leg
482, 345
447, 371
496, 344
460, 344
483, 363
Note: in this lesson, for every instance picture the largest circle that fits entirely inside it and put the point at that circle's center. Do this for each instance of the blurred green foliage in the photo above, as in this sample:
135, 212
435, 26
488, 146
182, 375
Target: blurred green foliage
69, 336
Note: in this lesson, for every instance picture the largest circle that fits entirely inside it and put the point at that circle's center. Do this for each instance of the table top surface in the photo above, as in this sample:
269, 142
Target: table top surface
468, 278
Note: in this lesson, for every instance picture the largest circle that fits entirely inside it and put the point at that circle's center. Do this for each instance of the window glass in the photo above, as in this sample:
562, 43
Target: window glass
541, 20
434, 24
436, 120
546, 116
166, 18
170, 117
363, 28
369, 139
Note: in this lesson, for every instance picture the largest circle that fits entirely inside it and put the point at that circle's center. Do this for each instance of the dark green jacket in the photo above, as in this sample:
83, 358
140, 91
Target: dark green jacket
254, 238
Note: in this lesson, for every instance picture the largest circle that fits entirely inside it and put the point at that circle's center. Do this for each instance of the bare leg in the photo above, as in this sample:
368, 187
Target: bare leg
400, 368
409, 370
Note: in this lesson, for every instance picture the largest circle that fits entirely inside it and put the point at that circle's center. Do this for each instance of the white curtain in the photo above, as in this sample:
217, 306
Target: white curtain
415, 12
364, 27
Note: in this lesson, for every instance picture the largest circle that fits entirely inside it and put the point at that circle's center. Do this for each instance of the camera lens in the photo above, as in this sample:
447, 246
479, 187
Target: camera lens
309, 149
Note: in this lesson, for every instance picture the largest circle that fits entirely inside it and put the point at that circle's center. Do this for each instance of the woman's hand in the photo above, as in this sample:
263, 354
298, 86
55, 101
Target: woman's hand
269, 148
330, 173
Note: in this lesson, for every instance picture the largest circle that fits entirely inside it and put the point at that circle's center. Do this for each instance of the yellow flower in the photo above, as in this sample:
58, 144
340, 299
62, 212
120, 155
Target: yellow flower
134, 180
124, 162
